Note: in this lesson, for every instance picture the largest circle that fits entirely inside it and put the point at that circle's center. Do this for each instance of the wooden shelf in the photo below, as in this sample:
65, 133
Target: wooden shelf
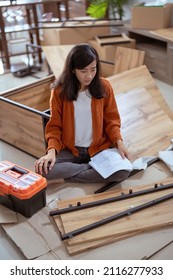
32, 25
158, 51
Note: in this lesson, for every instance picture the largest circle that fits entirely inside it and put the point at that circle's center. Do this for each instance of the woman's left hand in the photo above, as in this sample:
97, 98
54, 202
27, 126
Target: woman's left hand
122, 149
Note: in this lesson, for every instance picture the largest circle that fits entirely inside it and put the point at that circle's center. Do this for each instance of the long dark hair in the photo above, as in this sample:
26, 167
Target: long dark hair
79, 57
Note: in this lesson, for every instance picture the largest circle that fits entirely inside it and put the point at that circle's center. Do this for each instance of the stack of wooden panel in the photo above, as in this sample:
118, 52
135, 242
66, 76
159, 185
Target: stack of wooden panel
146, 128
152, 218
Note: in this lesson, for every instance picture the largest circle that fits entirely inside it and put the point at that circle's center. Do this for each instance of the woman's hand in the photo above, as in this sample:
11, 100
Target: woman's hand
42, 163
122, 149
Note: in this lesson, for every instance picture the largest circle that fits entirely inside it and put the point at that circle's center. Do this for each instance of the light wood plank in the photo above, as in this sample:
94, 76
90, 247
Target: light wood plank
80, 248
166, 33
36, 98
22, 129
126, 58
148, 219
146, 129
135, 78
56, 56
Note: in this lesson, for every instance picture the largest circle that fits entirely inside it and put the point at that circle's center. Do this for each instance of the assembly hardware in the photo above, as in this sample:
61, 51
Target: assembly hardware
116, 217
131, 194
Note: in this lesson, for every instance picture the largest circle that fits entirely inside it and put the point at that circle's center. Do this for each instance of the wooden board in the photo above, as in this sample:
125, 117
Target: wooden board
22, 115
139, 77
126, 58
22, 128
78, 248
148, 219
35, 96
56, 56
166, 33
146, 129
158, 216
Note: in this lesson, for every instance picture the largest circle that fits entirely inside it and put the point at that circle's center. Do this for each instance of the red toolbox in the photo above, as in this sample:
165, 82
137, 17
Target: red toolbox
21, 190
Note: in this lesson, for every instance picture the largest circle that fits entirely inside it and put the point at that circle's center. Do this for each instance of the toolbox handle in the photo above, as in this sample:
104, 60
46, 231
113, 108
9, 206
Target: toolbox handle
19, 170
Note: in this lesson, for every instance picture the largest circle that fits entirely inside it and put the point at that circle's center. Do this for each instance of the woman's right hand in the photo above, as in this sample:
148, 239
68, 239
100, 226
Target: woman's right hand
46, 162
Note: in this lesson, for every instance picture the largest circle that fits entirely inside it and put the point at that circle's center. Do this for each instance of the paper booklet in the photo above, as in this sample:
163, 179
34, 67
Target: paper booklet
109, 161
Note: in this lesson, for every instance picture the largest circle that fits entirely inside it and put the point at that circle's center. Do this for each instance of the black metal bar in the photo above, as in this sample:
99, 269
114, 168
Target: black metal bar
123, 196
116, 217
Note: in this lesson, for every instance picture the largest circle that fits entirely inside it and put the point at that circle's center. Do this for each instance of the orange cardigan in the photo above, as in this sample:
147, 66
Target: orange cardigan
60, 131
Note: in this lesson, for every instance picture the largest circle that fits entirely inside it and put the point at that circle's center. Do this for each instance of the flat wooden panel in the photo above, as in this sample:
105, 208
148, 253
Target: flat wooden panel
146, 128
166, 33
56, 56
36, 97
21, 116
132, 79
22, 128
126, 58
78, 248
135, 78
148, 219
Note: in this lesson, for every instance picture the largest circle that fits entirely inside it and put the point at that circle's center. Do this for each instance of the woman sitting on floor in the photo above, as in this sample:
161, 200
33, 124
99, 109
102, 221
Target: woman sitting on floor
84, 121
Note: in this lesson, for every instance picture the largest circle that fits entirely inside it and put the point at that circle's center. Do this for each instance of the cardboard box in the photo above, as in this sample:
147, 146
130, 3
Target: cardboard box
150, 17
73, 33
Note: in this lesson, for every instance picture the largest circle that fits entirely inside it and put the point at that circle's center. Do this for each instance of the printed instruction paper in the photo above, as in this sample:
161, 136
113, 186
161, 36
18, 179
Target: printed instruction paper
109, 161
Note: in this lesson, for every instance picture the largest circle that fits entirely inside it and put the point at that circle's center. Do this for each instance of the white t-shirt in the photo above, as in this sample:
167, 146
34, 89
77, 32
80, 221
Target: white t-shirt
83, 119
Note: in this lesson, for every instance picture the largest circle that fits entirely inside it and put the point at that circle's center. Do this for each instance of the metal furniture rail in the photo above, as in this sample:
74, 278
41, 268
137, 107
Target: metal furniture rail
116, 217
123, 196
